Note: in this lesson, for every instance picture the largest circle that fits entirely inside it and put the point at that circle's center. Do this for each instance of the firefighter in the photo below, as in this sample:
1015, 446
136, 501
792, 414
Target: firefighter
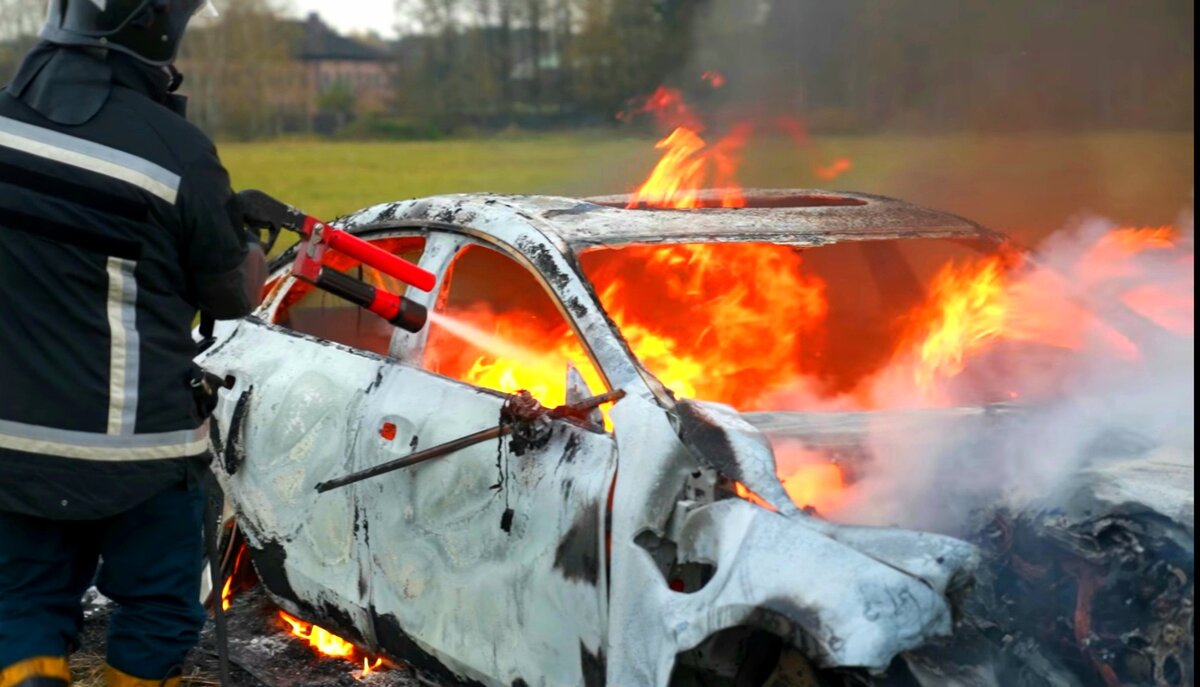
117, 224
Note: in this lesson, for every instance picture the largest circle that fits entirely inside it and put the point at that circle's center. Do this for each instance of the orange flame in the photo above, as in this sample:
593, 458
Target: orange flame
227, 593
712, 328
812, 483
668, 107
744, 492
369, 667
227, 588
834, 169
689, 164
1118, 258
714, 79
975, 306
718, 336
969, 310
821, 486
323, 641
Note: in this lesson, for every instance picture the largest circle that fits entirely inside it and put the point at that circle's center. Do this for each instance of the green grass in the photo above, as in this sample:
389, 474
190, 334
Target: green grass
1027, 185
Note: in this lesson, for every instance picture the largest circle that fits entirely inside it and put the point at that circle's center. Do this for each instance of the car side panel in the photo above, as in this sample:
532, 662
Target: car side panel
290, 421
499, 599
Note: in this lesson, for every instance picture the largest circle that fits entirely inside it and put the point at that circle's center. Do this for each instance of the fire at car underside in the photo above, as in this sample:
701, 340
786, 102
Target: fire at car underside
657, 572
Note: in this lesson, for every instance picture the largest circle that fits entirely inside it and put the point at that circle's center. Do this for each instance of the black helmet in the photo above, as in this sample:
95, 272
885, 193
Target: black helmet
150, 30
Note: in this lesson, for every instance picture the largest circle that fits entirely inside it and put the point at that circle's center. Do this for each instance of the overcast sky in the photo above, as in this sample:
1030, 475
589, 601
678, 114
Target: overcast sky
352, 15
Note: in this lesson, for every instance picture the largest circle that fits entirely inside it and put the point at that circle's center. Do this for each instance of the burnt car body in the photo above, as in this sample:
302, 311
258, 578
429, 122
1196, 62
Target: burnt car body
568, 553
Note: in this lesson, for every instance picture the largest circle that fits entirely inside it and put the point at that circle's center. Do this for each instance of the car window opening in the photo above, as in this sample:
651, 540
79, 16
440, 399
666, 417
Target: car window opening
497, 327
311, 311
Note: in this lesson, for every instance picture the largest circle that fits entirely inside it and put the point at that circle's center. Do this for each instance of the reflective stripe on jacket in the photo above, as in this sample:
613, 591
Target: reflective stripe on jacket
112, 235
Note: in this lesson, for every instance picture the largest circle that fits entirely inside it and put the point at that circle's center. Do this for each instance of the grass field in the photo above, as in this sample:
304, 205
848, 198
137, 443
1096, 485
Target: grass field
1026, 185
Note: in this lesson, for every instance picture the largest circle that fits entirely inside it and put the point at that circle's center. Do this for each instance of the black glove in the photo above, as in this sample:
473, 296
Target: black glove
204, 391
261, 211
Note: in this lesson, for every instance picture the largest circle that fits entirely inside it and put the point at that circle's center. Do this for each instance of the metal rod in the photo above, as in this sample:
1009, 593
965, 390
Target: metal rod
577, 409
214, 499
415, 458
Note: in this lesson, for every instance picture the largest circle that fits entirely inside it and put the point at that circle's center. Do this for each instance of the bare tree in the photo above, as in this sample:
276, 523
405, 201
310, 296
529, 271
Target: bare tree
19, 24
21, 18
241, 74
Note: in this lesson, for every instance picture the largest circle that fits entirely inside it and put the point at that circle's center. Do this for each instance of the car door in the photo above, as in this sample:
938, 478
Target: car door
301, 372
488, 563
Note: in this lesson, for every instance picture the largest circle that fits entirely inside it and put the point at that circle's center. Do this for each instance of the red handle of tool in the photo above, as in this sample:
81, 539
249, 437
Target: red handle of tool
373, 256
401, 312
385, 304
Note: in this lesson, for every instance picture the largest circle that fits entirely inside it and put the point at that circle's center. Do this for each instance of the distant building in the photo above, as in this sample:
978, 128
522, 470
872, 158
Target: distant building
342, 76
282, 75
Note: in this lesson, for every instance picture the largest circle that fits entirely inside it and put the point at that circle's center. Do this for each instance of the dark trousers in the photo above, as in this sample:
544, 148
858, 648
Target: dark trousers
147, 560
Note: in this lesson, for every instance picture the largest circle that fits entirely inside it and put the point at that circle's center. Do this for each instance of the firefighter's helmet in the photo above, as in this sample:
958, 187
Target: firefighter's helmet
150, 30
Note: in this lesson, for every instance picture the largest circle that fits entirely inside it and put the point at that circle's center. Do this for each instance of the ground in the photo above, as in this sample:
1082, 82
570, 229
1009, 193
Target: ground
1025, 184
262, 653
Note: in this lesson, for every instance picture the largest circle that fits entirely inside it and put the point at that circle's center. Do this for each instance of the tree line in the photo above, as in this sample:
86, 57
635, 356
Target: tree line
860, 65
843, 65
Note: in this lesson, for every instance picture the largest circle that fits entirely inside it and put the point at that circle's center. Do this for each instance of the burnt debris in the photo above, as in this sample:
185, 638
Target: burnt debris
1096, 588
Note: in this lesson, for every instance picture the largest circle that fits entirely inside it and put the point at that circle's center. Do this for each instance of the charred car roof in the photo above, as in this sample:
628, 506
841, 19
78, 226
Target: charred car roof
784, 216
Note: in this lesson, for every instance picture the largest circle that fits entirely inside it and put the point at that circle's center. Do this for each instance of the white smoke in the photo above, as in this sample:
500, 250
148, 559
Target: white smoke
933, 474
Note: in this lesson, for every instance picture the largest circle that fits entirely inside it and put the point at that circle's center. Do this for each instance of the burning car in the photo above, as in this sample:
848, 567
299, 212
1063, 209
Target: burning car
674, 538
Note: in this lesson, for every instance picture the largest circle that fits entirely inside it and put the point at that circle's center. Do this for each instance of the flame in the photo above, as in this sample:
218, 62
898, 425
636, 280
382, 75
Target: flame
323, 641
689, 165
821, 486
1131, 257
714, 79
969, 310
327, 644
668, 106
744, 492
227, 593
834, 169
977, 305
227, 588
716, 338
474, 345
712, 328
1131, 241
814, 483
745, 324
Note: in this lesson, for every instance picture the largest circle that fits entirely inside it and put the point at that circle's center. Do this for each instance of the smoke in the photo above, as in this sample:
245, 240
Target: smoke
1125, 390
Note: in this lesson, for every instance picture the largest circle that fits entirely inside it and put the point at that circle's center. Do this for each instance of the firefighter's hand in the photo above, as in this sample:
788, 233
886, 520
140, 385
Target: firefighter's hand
260, 211
204, 392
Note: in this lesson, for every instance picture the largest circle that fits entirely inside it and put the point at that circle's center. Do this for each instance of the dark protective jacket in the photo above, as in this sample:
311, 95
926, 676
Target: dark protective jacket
117, 224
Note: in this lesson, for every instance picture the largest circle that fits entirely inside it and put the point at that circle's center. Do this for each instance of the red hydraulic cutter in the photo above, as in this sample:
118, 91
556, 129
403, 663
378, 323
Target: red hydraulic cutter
261, 211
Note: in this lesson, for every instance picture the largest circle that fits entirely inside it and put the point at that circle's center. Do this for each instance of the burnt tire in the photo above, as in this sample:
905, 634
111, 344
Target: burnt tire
747, 657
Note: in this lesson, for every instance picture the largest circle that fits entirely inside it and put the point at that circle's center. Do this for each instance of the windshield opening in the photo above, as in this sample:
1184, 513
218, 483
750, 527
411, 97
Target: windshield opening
859, 325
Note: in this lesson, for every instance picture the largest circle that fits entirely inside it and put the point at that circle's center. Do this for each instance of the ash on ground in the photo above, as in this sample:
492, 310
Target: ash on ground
262, 652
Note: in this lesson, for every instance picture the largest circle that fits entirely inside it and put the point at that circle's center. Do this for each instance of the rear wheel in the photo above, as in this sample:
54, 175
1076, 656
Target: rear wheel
749, 657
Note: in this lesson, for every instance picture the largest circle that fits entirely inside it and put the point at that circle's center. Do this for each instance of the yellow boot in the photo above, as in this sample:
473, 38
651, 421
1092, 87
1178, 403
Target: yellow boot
40, 671
115, 678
